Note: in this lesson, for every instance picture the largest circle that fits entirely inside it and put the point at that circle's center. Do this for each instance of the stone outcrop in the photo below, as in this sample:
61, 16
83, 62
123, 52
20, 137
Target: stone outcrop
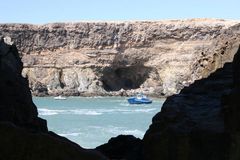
16, 102
24, 136
157, 58
122, 147
201, 121
191, 124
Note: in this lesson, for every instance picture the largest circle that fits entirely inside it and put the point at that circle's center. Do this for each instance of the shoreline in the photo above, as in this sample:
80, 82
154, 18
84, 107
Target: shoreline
106, 96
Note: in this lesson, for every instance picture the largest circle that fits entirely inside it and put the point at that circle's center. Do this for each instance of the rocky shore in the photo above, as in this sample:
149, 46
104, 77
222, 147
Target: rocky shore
157, 58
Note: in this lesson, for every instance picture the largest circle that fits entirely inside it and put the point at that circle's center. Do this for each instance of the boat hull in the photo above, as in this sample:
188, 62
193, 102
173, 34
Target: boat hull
134, 100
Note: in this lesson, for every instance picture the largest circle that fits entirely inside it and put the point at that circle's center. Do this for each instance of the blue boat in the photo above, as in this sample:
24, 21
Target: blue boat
139, 99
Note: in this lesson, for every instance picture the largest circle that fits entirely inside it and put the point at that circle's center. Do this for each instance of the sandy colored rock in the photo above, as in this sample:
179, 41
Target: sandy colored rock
101, 58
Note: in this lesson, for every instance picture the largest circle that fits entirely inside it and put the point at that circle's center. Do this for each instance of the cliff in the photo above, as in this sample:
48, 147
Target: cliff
201, 122
24, 136
157, 58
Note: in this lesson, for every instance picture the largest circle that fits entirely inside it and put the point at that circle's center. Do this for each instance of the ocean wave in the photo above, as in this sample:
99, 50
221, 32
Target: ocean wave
145, 110
75, 134
125, 104
122, 130
93, 112
134, 132
119, 130
134, 110
48, 112
85, 112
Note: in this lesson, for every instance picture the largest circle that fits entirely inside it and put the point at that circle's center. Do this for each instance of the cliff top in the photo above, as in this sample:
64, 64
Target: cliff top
191, 22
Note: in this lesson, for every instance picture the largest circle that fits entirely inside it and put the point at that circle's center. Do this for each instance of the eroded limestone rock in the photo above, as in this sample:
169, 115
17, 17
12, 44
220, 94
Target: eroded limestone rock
73, 58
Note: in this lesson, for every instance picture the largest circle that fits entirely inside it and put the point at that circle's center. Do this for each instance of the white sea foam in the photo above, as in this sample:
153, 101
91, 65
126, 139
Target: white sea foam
134, 110
114, 131
145, 110
85, 112
134, 132
93, 112
48, 112
75, 134
124, 104
124, 131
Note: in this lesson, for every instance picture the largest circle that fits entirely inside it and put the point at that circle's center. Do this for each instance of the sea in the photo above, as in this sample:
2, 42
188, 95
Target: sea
92, 121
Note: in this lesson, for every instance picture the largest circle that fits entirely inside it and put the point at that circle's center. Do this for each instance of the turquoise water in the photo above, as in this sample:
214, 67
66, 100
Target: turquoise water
91, 122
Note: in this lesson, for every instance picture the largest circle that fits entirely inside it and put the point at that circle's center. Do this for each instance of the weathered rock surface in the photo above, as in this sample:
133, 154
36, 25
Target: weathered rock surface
24, 136
191, 124
121, 58
201, 121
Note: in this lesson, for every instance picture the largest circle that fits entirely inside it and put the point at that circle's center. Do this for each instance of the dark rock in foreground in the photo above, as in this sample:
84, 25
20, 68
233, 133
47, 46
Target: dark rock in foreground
16, 102
122, 147
200, 122
24, 136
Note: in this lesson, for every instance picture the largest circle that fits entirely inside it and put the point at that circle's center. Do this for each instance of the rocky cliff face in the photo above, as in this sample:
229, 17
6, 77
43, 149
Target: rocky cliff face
24, 136
199, 123
120, 58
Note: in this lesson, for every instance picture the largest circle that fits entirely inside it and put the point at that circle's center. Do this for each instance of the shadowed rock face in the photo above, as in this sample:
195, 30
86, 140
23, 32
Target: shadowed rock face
122, 147
191, 124
24, 136
162, 56
200, 122
232, 111
16, 102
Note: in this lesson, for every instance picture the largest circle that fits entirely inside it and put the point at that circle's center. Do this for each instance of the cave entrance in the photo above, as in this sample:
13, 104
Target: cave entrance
127, 78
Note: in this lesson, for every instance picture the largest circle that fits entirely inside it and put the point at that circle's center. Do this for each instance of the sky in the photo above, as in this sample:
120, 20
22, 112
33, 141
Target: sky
48, 11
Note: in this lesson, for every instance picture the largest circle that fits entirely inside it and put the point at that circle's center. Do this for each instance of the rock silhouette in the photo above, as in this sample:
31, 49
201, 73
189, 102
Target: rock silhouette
24, 136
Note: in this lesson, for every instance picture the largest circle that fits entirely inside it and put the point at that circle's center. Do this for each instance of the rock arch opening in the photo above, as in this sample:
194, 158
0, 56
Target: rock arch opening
132, 77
